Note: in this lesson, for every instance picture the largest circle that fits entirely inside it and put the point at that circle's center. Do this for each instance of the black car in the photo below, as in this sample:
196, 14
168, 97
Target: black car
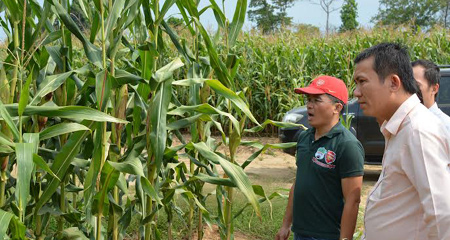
365, 128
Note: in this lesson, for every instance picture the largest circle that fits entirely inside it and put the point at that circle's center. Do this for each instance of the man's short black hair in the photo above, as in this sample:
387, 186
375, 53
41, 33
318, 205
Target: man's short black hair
391, 58
335, 99
432, 71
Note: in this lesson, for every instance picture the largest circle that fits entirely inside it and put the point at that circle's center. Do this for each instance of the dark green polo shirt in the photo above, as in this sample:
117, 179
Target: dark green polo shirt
321, 164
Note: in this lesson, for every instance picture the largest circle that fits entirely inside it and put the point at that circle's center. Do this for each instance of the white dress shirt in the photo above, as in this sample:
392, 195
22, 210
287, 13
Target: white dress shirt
441, 115
411, 200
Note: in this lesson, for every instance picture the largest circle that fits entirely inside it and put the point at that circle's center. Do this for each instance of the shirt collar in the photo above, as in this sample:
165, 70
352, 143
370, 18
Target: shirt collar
338, 128
392, 126
434, 107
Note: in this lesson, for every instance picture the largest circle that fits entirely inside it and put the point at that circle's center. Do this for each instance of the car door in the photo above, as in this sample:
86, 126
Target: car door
443, 98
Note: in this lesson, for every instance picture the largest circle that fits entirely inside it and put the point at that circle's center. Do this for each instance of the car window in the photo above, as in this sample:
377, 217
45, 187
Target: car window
444, 91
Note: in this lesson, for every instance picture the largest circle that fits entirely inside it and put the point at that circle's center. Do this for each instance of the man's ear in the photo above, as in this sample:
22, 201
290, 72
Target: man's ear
435, 88
338, 108
394, 82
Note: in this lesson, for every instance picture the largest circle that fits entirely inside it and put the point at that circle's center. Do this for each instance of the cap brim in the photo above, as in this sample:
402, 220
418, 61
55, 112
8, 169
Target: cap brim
309, 90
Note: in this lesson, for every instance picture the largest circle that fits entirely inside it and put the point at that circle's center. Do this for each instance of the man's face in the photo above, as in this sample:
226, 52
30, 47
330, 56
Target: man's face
373, 95
428, 92
321, 110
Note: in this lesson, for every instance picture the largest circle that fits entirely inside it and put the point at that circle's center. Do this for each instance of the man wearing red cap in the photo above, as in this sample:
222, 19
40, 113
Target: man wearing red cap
324, 199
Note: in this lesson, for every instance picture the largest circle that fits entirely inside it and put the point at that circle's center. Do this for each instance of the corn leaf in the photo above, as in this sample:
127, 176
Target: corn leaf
62, 161
7, 117
71, 112
159, 108
24, 155
5, 218
238, 21
39, 161
134, 166
232, 96
234, 172
24, 94
60, 129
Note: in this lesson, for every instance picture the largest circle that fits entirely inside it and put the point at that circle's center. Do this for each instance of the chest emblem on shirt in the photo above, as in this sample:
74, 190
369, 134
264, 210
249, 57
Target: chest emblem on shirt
320, 153
330, 157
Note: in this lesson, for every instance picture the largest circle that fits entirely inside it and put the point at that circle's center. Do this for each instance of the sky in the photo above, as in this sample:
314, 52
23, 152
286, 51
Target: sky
302, 12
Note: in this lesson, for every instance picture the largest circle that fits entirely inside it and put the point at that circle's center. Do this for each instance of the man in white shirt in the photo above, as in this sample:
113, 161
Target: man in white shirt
411, 199
427, 75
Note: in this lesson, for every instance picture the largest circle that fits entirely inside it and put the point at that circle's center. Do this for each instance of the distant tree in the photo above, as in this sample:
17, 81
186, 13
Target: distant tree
349, 13
281, 7
327, 7
423, 13
306, 29
270, 15
445, 12
175, 22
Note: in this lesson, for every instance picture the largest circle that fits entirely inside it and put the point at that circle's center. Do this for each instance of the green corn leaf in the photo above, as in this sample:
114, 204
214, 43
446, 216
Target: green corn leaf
166, 6
234, 172
32, 138
73, 233
150, 190
113, 15
103, 82
274, 123
238, 21
24, 155
108, 180
134, 166
4, 140
158, 119
50, 84
265, 147
232, 96
206, 109
14, 9
166, 72
71, 112
122, 77
217, 64
60, 129
7, 117
213, 180
17, 229
39, 161
176, 41
92, 52
24, 94
218, 14
62, 161
5, 218
189, 82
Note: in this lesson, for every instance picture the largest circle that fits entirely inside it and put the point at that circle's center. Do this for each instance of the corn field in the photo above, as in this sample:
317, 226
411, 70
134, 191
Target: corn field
89, 120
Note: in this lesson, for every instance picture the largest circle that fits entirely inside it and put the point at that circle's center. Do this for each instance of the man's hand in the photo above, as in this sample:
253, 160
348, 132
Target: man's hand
283, 233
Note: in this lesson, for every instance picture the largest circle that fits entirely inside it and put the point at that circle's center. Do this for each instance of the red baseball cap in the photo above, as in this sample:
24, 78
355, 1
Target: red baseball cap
326, 84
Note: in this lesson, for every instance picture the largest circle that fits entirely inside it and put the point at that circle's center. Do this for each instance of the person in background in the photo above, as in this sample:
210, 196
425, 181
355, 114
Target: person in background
427, 75
324, 199
411, 199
